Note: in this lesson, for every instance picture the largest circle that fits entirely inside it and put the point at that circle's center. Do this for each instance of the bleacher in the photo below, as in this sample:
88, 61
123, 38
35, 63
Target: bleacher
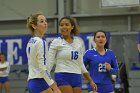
134, 81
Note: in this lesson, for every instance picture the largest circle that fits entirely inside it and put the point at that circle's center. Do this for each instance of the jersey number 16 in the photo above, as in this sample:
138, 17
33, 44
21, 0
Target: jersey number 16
74, 55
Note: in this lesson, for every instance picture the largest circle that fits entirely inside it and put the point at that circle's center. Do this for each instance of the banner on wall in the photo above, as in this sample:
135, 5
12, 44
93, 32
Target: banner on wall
15, 46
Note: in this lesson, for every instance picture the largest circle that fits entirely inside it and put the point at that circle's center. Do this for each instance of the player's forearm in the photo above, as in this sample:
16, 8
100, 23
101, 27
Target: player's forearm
114, 70
55, 88
94, 86
87, 76
2, 69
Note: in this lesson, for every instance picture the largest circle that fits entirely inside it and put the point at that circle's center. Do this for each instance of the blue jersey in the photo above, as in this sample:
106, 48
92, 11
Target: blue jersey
96, 64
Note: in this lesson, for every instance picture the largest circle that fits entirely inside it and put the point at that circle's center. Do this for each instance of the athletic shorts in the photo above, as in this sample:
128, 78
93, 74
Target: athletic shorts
102, 88
37, 85
72, 79
3, 79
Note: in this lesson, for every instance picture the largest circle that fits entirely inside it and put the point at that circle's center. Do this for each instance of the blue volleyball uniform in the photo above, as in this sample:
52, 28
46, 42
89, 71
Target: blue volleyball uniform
37, 85
72, 79
97, 69
3, 79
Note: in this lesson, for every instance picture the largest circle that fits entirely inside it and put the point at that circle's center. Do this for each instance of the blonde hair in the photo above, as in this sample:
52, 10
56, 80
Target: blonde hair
32, 19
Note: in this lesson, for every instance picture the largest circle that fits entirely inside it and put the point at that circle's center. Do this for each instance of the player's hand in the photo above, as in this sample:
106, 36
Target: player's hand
55, 88
114, 77
94, 86
138, 46
108, 66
